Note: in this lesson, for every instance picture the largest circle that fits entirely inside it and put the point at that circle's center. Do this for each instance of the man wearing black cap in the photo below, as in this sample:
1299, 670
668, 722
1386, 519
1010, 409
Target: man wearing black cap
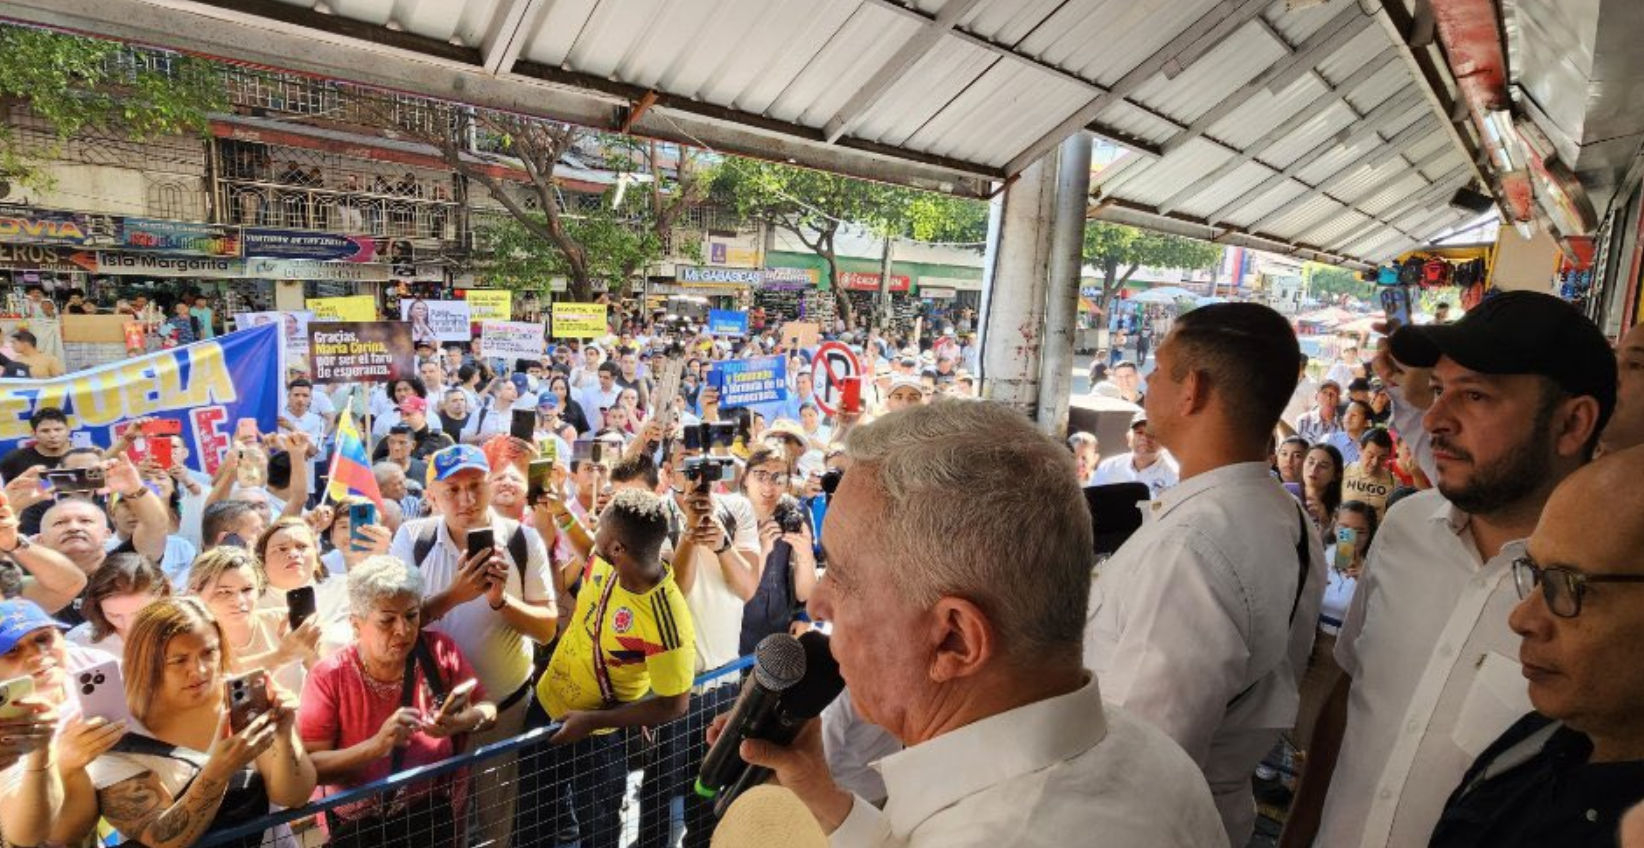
1521, 388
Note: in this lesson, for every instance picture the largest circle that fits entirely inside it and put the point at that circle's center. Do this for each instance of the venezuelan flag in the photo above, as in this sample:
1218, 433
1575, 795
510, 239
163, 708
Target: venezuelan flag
350, 466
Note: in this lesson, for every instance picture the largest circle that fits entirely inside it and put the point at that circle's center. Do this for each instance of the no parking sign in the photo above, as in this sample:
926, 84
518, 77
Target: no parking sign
832, 364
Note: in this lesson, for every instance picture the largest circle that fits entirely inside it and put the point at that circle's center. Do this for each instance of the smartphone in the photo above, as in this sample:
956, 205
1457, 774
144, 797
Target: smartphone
458, 696
480, 541
538, 479
359, 515
523, 425
693, 437
247, 698
159, 450
548, 448
299, 605
13, 691
166, 427
721, 435
1395, 301
596, 452
68, 481
102, 692
1347, 546
850, 395
246, 429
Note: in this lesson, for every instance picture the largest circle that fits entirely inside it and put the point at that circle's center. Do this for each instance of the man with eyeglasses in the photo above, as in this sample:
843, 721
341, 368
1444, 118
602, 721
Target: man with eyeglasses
1566, 774
1521, 388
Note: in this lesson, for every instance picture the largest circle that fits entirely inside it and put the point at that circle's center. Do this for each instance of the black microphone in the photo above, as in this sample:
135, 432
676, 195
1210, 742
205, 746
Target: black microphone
793, 680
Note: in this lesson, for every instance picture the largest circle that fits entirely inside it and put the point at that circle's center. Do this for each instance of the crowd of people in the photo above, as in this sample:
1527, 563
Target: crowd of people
1349, 579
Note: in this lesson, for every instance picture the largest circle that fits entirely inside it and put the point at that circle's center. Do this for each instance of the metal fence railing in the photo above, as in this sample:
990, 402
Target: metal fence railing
628, 788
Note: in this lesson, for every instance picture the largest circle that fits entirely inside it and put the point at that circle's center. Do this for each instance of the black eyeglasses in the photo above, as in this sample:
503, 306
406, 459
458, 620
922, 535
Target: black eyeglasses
1562, 588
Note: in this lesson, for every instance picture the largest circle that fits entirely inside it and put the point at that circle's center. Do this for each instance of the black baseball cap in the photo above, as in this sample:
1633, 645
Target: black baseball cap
1520, 332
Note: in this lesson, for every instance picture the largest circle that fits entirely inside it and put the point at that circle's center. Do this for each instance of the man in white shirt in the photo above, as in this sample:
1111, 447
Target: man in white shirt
493, 607
1145, 463
600, 397
1325, 416
950, 643
1521, 388
1202, 621
1347, 367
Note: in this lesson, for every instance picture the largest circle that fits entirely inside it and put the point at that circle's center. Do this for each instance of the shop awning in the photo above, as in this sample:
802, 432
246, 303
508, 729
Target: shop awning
1302, 127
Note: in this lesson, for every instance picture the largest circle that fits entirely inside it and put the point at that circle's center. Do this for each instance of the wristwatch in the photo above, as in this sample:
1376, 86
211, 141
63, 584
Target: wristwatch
141, 491
725, 547
23, 544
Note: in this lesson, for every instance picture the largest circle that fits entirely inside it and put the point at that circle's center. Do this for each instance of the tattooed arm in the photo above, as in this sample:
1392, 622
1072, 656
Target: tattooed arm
142, 808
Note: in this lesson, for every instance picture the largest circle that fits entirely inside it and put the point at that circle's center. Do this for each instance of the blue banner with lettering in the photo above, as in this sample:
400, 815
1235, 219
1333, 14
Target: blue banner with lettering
303, 244
750, 382
208, 386
726, 322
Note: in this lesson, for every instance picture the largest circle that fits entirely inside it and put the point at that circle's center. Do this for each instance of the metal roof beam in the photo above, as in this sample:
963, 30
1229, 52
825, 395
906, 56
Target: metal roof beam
505, 33
1367, 125
1220, 22
1379, 153
1140, 215
1335, 93
1337, 32
894, 68
1440, 187
1353, 202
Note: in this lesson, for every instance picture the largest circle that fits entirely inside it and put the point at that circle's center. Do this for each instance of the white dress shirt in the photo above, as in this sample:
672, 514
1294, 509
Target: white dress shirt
1159, 476
1435, 671
852, 745
1068, 770
1193, 613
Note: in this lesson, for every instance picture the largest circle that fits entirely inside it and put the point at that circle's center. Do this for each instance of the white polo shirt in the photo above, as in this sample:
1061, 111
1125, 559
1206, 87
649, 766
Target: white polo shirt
1435, 671
500, 654
1159, 476
1194, 611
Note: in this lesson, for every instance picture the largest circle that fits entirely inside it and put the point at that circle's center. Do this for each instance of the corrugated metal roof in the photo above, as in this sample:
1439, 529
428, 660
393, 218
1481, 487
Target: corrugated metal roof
1231, 103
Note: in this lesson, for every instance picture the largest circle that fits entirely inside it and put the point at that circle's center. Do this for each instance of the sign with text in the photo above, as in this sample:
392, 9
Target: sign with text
39, 257
359, 351
789, 279
304, 244
179, 237
162, 265
303, 269
436, 320
725, 276
208, 386
870, 282
490, 304
360, 307
579, 321
27, 225
746, 382
511, 340
725, 322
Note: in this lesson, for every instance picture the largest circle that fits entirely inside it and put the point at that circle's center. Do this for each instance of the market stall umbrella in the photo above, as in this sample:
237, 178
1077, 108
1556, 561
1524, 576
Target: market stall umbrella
1168, 295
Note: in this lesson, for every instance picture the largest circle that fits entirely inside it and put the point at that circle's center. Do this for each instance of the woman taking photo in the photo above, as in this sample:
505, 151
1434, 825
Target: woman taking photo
229, 581
789, 571
570, 411
1356, 527
117, 591
1321, 486
290, 554
346, 552
183, 771
394, 699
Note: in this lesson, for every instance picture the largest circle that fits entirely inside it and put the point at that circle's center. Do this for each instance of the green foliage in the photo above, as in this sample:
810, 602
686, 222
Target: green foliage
1328, 283
617, 244
1119, 250
80, 85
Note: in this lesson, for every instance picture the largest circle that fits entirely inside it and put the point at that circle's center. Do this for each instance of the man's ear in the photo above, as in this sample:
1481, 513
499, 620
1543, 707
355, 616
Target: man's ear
966, 641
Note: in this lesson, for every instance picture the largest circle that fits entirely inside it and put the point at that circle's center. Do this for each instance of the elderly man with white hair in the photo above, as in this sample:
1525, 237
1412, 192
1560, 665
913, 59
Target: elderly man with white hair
961, 633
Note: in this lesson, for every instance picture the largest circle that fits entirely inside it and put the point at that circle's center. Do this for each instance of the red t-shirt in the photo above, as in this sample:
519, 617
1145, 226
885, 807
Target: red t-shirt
338, 706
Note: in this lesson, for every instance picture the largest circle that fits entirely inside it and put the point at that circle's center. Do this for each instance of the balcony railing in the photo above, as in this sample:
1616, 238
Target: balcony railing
352, 212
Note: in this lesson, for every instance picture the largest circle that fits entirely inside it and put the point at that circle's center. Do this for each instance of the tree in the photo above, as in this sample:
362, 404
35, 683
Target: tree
1328, 283
82, 85
814, 206
1112, 247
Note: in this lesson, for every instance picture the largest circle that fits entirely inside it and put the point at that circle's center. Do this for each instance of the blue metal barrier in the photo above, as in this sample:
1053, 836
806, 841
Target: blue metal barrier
421, 773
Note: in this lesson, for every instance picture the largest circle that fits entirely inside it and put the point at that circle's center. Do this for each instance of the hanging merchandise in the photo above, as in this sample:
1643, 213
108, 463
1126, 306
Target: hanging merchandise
1410, 272
1387, 275
1435, 273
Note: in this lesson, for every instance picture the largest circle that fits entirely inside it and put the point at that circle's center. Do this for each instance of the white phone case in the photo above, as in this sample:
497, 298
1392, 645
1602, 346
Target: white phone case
13, 691
102, 692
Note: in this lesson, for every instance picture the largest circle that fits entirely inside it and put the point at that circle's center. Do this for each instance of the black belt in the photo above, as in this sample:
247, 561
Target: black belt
519, 695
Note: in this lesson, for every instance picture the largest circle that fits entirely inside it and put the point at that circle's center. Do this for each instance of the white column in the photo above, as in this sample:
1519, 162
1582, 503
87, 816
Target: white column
1062, 289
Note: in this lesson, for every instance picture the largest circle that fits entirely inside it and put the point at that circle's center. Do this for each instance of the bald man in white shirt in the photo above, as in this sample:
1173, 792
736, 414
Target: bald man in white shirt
968, 652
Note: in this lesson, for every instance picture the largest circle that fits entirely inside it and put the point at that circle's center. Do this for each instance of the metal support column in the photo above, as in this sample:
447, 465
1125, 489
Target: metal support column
1013, 309
1062, 292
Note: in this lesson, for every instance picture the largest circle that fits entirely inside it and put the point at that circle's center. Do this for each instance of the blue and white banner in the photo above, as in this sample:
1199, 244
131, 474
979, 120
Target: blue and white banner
725, 322
750, 382
208, 386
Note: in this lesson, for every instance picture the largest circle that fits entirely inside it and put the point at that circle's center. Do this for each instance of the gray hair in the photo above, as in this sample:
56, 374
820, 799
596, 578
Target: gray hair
1080, 440
378, 578
979, 505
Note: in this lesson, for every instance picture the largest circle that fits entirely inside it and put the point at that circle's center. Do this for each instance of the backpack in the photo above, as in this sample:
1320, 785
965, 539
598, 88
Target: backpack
428, 533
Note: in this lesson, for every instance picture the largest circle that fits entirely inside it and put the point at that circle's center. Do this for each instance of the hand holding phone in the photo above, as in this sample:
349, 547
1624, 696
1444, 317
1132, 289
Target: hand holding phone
360, 515
300, 605
1395, 302
247, 697
102, 692
1347, 547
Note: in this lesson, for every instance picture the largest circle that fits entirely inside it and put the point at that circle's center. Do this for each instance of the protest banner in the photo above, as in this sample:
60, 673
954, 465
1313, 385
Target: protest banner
801, 335
725, 322
208, 385
490, 304
359, 351
436, 320
579, 320
360, 307
511, 340
748, 382
833, 364
305, 244
293, 339
179, 237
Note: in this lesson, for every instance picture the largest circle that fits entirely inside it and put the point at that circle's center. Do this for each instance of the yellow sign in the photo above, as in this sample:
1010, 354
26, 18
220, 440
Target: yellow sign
490, 305
361, 307
579, 321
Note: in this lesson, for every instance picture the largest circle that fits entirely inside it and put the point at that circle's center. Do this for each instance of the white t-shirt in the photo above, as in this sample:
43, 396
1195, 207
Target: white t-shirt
1159, 476
330, 607
716, 611
501, 655
114, 644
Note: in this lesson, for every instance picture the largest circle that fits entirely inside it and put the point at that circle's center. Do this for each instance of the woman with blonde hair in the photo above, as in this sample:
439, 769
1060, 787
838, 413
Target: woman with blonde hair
229, 580
289, 551
183, 770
